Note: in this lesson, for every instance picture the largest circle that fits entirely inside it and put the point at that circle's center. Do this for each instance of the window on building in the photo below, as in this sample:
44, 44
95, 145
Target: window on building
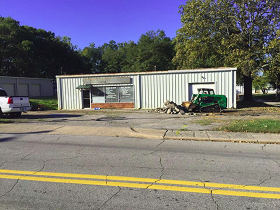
113, 94
126, 94
98, 95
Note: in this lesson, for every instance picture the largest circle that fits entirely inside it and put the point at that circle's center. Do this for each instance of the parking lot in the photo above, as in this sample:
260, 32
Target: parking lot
144, 118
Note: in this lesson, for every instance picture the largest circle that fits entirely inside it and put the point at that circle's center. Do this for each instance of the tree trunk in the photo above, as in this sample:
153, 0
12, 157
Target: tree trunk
248, 88
277, 91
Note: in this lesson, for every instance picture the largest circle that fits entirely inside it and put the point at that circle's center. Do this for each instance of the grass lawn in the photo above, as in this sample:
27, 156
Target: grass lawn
265, 97
204, 122
254, 126
6, 121
43, 103
208, 120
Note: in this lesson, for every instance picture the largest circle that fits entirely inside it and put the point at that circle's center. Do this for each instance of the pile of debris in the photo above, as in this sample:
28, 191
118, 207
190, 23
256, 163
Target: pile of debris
172, 108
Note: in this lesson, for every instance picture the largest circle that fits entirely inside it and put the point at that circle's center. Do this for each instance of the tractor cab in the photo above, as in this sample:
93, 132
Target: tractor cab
206, 100
207, 91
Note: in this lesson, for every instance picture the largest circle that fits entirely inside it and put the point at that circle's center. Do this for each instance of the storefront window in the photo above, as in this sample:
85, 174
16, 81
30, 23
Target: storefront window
113, 94
126, 94
98, 95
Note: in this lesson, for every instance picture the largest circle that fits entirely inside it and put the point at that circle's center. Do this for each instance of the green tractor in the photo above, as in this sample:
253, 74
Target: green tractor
206, 101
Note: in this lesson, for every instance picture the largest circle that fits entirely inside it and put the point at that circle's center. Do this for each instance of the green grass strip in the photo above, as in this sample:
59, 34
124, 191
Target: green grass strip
254, 126
43, 103
6, 121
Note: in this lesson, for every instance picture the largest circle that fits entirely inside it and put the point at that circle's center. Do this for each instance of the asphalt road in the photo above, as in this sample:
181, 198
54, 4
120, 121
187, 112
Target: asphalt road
40, 171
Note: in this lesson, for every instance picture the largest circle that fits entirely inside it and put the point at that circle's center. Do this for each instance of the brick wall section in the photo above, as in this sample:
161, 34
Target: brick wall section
112, 105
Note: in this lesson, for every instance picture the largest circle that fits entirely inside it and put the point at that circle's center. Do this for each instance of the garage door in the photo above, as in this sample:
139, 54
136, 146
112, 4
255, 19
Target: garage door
194, 86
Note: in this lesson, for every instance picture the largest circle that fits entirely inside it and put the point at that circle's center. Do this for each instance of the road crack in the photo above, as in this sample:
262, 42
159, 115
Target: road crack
263, 147
211, 193
110, 198
25, 157
268, 156
156, 147
207, 135
42, 168
212, 197
58, 128
10, 190
131, 128
45, 162
160, 177
266, 179
2, 163
164, 134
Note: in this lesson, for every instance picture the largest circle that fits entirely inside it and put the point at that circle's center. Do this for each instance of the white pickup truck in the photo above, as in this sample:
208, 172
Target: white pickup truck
13, 105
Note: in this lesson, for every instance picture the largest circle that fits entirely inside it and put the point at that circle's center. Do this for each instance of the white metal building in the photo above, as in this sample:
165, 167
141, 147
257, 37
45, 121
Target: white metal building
27, 86
145, 90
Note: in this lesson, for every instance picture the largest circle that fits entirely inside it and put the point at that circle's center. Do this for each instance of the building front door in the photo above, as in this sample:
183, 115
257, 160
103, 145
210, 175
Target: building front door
86, 98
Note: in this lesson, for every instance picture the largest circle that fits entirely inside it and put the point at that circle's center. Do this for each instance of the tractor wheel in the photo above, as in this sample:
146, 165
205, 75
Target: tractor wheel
217, 108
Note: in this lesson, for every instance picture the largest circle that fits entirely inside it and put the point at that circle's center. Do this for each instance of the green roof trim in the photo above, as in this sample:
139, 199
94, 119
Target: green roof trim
84, 87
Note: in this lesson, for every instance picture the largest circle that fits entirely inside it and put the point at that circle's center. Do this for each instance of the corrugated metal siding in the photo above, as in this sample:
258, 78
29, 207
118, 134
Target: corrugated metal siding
59, 95
46, 85
152, 90
156, 89
70, 97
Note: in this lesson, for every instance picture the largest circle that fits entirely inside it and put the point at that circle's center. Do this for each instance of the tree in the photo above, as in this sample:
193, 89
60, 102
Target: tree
227, 33
273, 62
261, 83
27, 51
129, 52
111, 57
93, 55
198, 42
9, 33
155, 52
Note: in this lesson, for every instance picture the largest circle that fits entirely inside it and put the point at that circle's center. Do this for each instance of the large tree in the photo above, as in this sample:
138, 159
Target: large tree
227, 33
27, 51
273, 62
153, 51
93, 56
112, 57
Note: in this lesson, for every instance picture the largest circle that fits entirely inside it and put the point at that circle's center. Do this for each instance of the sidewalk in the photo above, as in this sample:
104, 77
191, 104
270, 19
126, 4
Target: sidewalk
222, 136
216, 136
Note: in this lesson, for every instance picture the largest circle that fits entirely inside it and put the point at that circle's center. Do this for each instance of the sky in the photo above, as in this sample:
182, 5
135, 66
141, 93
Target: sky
98, 21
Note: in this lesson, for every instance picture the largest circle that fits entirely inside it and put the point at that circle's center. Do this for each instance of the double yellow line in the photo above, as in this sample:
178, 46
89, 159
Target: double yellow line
145, 183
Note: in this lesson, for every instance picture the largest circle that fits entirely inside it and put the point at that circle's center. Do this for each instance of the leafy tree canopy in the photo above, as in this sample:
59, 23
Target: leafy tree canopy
27, 51
153, 51
272, 68
227, 33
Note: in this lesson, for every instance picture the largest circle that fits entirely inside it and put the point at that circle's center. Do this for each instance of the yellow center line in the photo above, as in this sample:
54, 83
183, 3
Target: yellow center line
147, 180
142, 186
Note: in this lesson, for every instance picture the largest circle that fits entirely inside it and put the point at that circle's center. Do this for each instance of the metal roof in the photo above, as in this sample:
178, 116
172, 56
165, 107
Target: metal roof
153, 72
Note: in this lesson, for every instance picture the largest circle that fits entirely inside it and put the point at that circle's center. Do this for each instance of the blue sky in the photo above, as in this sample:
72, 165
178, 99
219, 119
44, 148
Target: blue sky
98, 21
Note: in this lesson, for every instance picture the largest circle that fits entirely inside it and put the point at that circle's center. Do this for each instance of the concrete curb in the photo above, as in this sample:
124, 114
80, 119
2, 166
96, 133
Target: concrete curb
222, 140
221, 136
